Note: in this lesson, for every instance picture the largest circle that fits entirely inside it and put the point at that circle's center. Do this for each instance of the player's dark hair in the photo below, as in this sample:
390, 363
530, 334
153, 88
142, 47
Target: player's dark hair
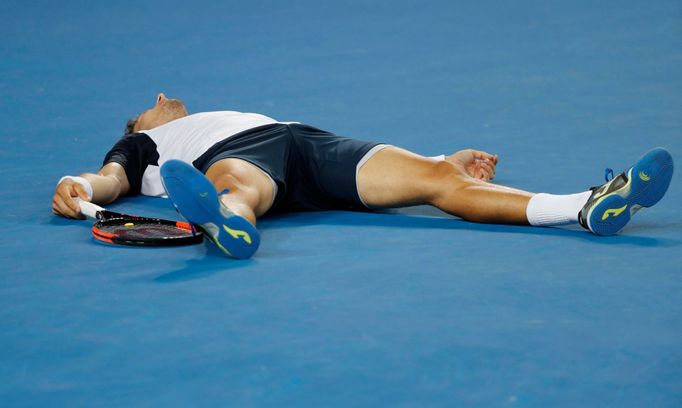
130, 126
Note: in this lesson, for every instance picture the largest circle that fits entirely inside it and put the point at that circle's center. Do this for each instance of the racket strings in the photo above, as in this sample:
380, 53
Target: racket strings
130, 230
144, 230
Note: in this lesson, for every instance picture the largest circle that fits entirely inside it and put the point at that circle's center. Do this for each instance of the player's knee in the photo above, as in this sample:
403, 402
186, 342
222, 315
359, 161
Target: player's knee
449, 179
448, 173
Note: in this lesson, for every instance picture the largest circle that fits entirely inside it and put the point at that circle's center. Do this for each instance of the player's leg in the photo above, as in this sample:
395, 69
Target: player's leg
395, 177
227, 219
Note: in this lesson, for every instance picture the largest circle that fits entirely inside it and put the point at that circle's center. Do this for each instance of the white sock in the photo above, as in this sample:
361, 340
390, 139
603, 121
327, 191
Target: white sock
549, 209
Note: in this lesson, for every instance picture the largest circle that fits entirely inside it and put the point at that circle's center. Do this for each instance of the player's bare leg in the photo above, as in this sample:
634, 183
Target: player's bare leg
395, 177
458, 185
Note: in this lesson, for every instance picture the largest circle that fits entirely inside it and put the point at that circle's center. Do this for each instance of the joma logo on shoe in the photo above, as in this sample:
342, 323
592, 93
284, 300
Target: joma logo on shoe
613, 211
236, 234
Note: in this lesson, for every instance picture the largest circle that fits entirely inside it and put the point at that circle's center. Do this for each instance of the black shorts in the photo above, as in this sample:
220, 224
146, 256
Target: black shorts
314, 170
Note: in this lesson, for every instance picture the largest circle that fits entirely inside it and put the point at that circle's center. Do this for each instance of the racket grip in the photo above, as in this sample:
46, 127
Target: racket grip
89, 209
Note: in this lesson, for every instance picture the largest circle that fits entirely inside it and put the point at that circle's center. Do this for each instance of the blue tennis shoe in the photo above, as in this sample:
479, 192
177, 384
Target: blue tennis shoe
612, 204
194, 196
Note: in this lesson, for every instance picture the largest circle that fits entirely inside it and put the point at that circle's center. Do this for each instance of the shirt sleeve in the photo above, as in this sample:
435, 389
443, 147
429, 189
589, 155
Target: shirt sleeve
134, 151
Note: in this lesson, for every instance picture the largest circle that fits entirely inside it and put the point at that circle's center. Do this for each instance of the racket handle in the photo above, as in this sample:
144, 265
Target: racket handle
88, 209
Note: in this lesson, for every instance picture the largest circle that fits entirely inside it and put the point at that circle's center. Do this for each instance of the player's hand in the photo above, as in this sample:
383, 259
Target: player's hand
476, 163
63, 201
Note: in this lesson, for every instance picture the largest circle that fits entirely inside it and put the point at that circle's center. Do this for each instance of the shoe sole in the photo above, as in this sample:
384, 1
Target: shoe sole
648, 180
196, 199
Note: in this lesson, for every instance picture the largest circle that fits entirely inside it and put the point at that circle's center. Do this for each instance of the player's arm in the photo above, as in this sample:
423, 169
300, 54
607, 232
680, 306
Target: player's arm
104, 187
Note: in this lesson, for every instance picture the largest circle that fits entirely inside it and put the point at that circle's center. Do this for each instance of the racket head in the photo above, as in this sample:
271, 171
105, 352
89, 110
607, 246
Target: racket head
143, 231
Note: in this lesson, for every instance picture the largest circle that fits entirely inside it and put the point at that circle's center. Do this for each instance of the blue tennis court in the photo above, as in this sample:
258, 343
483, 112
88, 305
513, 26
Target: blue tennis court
408, 307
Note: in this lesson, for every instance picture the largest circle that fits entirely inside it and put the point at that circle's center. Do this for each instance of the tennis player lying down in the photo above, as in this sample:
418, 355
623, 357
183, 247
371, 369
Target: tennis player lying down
223, 170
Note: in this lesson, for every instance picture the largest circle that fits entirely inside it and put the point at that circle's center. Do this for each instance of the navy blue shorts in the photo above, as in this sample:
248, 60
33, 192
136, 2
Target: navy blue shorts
314, 170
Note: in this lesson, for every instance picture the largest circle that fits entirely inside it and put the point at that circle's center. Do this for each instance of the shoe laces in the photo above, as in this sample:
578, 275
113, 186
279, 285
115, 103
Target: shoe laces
608, 176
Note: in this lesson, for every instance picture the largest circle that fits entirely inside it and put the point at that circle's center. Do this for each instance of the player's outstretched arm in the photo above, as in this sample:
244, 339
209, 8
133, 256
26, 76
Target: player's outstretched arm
101, 188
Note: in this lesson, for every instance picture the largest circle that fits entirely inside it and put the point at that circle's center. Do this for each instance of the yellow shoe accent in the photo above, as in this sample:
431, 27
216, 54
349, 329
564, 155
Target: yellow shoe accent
613, 211
236, 234
643, 176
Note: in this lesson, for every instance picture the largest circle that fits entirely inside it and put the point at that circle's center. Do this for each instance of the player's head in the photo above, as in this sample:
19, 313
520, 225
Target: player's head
163, 111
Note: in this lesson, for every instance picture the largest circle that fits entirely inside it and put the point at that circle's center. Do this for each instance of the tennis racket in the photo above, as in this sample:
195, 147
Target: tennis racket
123, 229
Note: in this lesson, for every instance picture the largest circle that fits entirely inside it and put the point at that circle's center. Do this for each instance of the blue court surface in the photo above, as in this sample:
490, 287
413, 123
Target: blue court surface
410, 307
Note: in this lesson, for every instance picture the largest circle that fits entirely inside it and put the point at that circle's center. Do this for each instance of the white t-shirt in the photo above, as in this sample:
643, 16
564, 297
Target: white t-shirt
143, 153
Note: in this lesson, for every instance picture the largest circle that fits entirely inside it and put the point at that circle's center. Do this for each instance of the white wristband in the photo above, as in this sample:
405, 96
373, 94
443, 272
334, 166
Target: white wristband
80, 180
